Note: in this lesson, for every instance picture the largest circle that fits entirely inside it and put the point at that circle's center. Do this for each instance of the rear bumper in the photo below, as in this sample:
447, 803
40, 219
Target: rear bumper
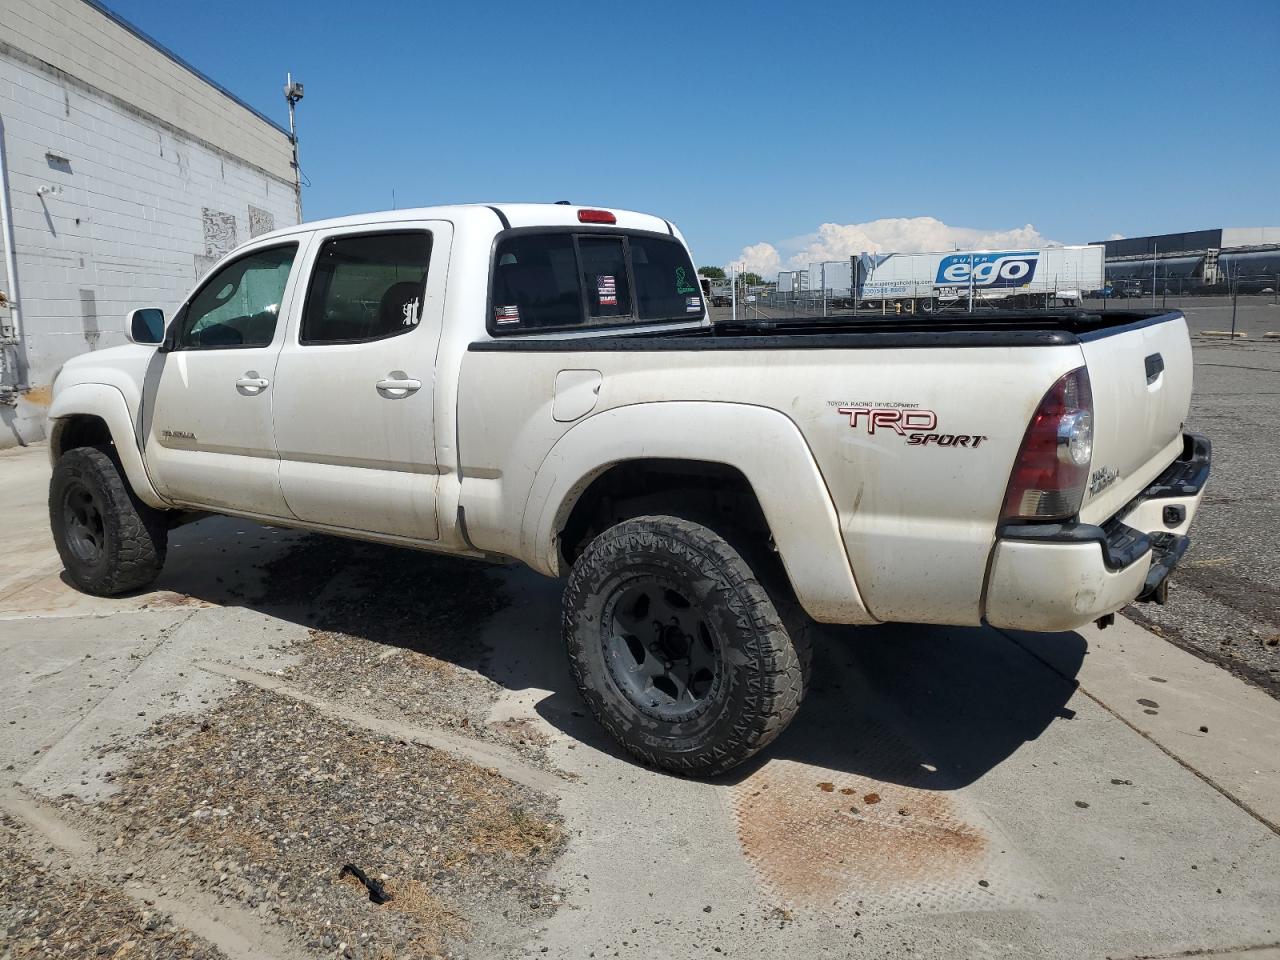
1061, 576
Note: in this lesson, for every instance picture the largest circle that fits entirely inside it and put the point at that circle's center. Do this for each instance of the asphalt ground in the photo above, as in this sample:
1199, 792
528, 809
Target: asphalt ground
1224, 600
203, 758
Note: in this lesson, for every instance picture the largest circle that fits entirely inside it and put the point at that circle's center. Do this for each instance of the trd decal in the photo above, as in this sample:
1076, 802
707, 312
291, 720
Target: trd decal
917, 427
899, 421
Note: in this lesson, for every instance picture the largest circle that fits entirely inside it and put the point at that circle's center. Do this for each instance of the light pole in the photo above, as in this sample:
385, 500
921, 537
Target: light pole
293, 94
733, 291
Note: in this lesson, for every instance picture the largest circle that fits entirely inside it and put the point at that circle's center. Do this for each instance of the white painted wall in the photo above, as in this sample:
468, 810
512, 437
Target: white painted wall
145, 195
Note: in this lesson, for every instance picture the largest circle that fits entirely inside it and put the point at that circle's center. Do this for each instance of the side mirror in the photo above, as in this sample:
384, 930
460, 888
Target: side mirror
145, 326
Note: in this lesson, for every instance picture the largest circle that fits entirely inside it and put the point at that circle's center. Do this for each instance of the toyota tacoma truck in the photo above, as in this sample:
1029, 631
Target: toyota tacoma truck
541, 382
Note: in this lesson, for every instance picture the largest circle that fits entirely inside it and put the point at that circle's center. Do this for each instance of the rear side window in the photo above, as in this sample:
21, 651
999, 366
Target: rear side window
564, 280
535, 283
666, 286
366, 287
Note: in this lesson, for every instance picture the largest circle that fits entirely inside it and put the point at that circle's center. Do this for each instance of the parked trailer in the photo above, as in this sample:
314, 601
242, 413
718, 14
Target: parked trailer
923, 282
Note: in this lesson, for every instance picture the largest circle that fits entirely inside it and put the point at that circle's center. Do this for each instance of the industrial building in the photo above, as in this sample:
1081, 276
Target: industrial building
126, 173
1222, 260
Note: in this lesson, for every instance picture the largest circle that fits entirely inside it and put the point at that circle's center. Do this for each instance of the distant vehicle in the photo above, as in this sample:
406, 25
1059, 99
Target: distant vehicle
717, 291
542, 383
1123, 289
924, 282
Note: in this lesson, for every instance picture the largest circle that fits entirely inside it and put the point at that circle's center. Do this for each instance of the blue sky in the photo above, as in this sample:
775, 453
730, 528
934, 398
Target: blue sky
758, 122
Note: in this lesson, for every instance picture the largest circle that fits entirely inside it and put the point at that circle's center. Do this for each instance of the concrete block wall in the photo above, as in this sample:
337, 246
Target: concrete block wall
125, 186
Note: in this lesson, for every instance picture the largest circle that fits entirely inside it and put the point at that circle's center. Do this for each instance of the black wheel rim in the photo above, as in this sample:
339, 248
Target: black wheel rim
83, 524
663, 654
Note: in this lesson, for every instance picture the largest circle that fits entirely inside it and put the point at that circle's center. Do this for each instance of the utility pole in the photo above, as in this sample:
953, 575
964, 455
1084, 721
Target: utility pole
293, 94
853, 283
1155, 253
1235, 297
971, 283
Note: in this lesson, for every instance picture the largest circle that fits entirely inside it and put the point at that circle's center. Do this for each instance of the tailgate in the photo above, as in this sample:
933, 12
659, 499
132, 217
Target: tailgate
1141, 380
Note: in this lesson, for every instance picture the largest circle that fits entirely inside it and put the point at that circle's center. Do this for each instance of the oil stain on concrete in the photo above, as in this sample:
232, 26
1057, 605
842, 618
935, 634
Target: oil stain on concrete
817, 837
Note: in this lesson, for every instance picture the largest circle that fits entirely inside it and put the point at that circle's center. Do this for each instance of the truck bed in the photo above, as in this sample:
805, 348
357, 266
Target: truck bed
910, 512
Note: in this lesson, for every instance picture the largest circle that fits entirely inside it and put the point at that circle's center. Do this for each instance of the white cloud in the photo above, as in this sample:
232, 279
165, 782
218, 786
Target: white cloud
1116, 236
761, 258
837, 241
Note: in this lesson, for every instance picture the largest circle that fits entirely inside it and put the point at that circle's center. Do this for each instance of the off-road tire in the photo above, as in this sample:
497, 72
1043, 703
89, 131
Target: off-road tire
763, 666
130, 537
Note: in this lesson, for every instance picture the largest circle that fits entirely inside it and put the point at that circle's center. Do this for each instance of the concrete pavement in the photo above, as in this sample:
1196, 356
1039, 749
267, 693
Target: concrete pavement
944, 792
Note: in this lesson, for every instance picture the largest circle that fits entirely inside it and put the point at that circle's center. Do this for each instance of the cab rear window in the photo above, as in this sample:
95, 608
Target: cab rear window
565, 281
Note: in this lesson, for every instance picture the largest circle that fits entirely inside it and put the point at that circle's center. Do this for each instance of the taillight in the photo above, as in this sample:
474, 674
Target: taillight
1052, 468
596, 216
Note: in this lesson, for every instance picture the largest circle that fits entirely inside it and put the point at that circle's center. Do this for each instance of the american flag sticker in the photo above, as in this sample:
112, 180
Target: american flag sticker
607, 290
693, 305
506, 315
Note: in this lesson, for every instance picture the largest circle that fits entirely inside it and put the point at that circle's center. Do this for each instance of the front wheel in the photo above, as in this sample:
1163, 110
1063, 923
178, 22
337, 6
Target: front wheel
678, 649
110, 542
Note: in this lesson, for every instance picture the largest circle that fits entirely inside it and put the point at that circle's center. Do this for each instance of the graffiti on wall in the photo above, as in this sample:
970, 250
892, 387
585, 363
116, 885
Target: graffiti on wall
260, 221
219, 232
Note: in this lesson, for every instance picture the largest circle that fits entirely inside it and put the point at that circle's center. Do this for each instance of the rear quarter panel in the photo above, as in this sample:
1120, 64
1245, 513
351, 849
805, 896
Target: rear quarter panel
917, 520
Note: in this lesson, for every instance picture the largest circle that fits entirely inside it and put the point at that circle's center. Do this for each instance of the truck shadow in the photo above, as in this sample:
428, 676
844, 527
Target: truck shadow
928, 707
920, 706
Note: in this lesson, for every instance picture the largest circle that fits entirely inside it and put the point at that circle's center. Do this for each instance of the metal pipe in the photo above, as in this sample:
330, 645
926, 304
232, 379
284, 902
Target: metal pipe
11, 262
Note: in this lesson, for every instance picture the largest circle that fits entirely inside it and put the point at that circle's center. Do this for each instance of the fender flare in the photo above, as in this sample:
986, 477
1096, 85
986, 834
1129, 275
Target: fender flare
107, 402
761, 443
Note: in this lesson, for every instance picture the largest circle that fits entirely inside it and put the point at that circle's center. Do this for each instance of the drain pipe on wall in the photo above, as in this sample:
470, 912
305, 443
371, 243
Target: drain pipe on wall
11, 263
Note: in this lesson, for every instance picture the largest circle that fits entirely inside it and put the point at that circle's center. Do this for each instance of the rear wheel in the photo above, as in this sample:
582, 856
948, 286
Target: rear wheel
678, 649
110, 542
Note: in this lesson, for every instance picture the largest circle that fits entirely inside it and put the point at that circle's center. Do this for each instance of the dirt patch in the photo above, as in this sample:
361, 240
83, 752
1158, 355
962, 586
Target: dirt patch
168, 598
813, 841
262, 801
47, 911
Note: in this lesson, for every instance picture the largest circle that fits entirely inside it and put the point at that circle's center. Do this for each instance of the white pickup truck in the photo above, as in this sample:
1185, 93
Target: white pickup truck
541, 382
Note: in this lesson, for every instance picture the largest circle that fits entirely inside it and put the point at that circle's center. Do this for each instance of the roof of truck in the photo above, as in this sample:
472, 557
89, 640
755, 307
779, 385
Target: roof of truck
498, 215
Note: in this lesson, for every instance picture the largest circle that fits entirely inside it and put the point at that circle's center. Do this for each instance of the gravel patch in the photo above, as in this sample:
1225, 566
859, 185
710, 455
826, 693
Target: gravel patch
395, 632
47, 911
262, 801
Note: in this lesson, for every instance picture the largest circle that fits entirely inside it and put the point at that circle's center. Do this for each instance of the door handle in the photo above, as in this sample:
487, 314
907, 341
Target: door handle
251, 383
398, 385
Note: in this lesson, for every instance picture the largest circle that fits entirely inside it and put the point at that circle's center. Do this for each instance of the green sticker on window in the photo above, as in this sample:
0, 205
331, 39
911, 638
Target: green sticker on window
682, 285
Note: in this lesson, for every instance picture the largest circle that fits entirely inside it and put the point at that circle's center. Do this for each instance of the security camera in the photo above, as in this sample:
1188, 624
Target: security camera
293, 91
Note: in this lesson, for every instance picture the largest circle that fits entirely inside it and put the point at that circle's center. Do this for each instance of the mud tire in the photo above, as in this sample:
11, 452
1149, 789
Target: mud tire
121, 546
762, 665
